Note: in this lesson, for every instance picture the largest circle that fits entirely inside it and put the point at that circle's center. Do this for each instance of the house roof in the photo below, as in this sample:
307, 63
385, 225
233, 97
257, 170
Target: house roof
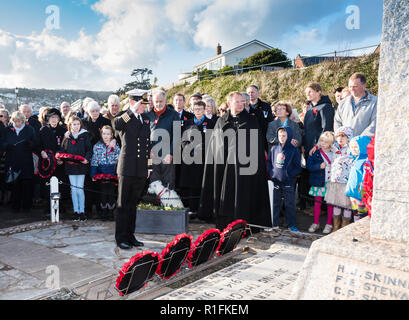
255, 41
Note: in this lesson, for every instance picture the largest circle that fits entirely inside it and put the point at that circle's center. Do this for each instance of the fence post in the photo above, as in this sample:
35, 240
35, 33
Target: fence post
54, 200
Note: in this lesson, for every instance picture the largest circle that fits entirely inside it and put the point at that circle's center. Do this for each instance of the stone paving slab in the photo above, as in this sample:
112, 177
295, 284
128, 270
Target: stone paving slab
268, 275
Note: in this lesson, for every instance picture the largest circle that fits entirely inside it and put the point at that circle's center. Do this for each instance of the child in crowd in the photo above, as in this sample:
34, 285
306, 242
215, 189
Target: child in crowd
354, 187
319, 166
104, 161
284, 163
78, 143
341, 167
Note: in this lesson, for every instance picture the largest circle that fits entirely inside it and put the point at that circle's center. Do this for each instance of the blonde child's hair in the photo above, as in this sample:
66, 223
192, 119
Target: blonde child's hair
328, 137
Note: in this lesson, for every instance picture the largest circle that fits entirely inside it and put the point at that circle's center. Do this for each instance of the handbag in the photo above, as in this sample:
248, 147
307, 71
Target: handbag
12, 175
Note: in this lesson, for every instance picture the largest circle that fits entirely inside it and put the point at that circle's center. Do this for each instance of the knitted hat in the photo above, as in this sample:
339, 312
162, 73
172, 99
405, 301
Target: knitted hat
348, 131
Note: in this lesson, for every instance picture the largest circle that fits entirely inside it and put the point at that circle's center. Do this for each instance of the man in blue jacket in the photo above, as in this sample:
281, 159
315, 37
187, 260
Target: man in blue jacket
284, 163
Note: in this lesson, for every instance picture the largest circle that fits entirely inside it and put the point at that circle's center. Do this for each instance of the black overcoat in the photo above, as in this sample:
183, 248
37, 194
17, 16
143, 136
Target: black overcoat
191, 174
227, 192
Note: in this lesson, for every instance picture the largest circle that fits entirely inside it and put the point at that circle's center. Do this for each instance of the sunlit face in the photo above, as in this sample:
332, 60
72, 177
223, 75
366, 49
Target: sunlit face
193, 100
76, 126
106, 135
94, 114
65, 108
18, 123
159, 101
236, 104
342, 139
114, 108
209, 109
281, 111
356, 87
353, 145
179, 103
198, 111
27, 112
338, 97
3, 118
282, 136
53, 120
253, 93
325, 145
312, 95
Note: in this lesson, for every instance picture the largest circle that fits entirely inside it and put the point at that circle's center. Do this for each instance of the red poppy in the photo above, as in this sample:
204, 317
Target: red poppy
73, 142
12, 129
205, 123
314, 111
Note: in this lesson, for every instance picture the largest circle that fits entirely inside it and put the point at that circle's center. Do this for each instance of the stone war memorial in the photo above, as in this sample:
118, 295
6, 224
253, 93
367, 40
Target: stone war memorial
370, 259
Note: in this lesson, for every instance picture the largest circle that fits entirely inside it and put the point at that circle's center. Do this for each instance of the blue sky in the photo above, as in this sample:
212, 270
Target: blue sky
97, 43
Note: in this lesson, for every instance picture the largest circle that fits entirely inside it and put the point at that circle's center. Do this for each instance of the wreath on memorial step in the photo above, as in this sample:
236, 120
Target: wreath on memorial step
204, 247
174, 256
136, 273
231, 236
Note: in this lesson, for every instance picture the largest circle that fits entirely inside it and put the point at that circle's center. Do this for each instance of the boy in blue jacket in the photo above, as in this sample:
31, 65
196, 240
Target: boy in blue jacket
284, 163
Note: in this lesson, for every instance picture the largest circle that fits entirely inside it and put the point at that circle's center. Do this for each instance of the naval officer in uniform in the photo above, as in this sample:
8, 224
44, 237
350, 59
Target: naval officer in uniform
134, 131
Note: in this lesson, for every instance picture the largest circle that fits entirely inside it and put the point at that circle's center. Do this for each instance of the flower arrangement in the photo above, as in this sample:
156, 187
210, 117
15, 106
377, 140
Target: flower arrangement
149, 206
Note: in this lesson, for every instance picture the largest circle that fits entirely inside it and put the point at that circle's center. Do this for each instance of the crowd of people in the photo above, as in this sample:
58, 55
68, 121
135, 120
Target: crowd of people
105, 157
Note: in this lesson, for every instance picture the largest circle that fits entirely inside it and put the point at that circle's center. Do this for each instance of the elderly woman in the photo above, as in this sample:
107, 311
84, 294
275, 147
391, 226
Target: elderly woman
95, 121
19, 141
113, 107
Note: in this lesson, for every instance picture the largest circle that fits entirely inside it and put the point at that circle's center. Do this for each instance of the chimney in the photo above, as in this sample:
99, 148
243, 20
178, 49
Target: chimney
219, 49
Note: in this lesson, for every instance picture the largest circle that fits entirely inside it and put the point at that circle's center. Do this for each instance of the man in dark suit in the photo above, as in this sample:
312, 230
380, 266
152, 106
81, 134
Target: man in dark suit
264, 115
179, 102
134, 130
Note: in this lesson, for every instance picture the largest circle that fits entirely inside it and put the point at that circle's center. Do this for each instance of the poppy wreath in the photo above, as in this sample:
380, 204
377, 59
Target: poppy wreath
69, 158
174, 256
204, 247
231, 236
136, 273
46, 166
105, 178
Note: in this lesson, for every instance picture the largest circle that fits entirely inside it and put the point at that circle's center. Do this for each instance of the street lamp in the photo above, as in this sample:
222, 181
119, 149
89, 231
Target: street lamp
16, 92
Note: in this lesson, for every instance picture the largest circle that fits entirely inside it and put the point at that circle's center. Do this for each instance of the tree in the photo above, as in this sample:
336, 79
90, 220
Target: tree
140, 83
267, 57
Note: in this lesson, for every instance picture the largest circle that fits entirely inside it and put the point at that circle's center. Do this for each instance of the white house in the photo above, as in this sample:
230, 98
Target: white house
233, 56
